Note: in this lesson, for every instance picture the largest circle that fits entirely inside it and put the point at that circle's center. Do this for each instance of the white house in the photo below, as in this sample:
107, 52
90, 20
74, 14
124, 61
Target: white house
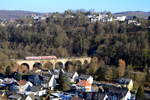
118, 93
90, 80
131, 21
15, 97
110, 19
134, 22
127, 96
100, 17
23, 86
41, 92
121, 18
105, 98
74, 77
87, 78
37, 93
28, 98
52, 82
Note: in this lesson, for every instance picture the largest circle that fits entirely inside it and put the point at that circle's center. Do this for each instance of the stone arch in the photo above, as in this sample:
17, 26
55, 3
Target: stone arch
78, 63
89, 60
69, 65
26, 64
59, 65
37, 65
24, 68
48, 65
86, 62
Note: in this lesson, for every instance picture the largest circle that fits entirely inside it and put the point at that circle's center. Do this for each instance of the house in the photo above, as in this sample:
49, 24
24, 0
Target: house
30, 97
87, 78
123, 95
49, 81
69, 16
94, 96
120, 18
21, 97
56, 72
110, 19
43, 18
125, 82
46, 71
117, 93
73, 77
41, 92
100, 17
134, 22
131, 21
15, 97
92, 18
38, 17
24, 86
36, 91
84, 85
35, 79
61, 96
52, 83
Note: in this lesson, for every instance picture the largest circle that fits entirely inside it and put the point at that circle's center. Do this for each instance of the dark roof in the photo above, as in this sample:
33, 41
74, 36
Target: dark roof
56, 72
84, 77
124, 81
35, 79
2, 76
93, 95
16, 97
70, 74
119, 92
98, 96
46, 77
37, 65
36, 88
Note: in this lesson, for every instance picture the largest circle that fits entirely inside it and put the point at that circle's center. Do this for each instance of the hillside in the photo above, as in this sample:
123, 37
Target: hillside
140, 14
15, 14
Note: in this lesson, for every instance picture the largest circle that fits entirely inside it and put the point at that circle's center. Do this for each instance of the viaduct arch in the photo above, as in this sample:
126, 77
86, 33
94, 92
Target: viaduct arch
63, 61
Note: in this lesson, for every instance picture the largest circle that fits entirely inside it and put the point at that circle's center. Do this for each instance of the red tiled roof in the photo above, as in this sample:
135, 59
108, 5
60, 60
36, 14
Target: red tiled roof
83, 83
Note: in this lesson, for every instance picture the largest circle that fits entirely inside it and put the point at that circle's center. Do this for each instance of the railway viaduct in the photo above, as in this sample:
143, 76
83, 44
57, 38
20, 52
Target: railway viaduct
53, 62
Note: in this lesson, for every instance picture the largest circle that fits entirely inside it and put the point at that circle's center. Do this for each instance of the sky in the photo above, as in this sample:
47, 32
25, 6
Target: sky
62, 5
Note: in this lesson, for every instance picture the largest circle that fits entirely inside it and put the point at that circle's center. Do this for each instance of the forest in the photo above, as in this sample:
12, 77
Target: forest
113, 43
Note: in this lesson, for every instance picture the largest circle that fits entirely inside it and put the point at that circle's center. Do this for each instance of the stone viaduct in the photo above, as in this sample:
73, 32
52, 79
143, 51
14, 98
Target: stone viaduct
62, 61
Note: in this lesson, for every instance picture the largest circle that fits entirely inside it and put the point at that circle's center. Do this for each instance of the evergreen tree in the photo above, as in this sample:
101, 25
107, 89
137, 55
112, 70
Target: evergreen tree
8, 70
140, 93
105, 73
108, 75
63, 81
